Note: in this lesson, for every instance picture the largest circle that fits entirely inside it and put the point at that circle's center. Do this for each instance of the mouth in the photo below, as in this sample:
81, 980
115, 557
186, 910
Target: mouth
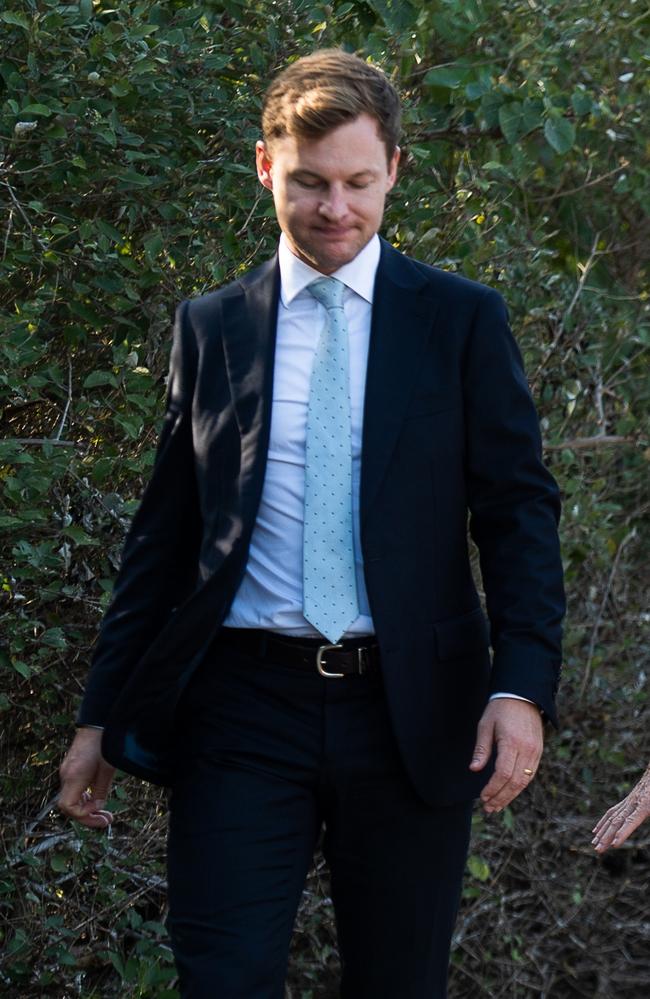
334, 232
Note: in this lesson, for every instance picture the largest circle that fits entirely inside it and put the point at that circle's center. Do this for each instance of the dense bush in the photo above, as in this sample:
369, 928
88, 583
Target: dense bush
127, 183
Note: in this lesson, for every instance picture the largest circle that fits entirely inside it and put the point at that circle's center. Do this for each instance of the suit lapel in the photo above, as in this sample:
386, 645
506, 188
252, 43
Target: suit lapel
403, 315
248, 330
249, 333
402, 319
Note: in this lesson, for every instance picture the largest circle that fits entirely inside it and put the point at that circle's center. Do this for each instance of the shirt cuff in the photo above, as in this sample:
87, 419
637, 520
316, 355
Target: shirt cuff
515, 697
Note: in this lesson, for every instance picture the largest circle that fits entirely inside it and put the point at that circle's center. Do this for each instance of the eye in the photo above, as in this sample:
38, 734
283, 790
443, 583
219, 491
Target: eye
309, 185
359, 185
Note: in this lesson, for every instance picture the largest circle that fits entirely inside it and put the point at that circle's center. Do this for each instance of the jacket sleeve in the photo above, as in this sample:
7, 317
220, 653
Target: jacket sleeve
160, 556
514, 512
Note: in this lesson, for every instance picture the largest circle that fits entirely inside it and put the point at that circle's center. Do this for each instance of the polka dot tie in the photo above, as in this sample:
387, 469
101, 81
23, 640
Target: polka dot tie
330, 587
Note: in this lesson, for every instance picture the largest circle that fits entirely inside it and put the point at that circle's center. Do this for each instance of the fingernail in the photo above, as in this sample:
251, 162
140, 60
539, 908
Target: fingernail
106, 816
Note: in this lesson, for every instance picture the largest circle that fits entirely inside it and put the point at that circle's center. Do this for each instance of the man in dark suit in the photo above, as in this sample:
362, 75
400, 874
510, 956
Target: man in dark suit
295, 640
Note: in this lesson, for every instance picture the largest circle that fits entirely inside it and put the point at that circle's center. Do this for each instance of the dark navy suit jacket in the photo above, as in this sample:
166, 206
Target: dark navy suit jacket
450, 431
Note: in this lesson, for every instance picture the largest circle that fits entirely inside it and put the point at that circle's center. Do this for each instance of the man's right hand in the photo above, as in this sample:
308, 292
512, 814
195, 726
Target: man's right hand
86, 779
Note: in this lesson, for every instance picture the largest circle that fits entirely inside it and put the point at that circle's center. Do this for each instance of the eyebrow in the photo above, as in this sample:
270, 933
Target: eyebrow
355, 176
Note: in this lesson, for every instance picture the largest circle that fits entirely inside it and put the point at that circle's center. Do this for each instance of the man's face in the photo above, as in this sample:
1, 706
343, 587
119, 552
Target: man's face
329, 192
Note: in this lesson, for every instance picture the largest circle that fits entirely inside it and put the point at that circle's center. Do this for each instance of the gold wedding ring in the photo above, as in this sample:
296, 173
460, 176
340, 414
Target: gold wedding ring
529, 773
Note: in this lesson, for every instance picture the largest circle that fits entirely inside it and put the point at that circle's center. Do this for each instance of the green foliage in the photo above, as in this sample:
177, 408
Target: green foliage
127, 183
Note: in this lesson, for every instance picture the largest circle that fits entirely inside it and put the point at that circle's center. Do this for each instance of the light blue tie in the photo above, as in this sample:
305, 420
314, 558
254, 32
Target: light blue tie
330, 587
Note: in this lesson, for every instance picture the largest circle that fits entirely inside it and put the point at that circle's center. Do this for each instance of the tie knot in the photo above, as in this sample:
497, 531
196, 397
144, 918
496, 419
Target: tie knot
328, 291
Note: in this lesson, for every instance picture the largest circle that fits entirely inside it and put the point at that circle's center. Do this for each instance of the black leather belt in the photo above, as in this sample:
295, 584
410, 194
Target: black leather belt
345, 658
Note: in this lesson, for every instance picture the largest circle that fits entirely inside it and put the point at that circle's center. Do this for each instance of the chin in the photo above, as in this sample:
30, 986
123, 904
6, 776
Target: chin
335, 257
327, 256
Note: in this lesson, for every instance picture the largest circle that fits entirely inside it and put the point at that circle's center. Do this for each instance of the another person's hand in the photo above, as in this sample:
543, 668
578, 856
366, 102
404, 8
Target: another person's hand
621, 820
86, 779
516, 728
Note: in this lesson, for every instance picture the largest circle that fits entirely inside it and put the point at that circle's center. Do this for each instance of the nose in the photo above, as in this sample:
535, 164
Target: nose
334, 208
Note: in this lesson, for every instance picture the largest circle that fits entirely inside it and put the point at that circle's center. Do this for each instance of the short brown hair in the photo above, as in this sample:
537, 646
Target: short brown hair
325, 89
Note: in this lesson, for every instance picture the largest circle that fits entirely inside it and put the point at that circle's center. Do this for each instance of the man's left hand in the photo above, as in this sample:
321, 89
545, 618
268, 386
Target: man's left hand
515, 727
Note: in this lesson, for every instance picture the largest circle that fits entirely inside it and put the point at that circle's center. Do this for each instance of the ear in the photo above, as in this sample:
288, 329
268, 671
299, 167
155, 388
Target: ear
392, 168
264, 165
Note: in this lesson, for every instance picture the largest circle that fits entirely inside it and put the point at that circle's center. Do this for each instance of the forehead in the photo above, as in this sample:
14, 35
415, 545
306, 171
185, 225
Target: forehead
353, 147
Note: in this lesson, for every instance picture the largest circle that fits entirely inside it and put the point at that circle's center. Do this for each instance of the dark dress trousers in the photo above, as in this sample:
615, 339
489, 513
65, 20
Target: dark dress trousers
449, 430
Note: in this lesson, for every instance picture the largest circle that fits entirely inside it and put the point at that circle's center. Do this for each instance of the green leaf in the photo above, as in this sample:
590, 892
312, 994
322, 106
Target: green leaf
13, 17
218, 60
109, 231
10, 522
449, 77
477, 88
478, 868
581, 102
108, 135
121, 88
118, 963
16, 944
54, 638
59, 862
153, 244
98, 378
40, 109
22, 668
560, 133
397, 15
129, 178
490, 106
78, 535
512, 120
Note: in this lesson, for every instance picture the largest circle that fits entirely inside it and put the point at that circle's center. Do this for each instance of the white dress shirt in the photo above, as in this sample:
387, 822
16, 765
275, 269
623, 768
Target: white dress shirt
270, 595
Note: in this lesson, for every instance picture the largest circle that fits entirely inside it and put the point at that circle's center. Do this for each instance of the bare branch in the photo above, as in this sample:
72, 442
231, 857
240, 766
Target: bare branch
8, 233
576, 190
242, 231
23, 214
601, 611
37, 441
57, 436
594, 254
584, 443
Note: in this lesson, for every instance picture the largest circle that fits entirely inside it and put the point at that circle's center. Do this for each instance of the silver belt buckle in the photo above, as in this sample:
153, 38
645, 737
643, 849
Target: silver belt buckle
319, 661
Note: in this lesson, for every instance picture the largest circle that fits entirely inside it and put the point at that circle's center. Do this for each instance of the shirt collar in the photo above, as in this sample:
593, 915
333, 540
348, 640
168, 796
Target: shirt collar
358, 274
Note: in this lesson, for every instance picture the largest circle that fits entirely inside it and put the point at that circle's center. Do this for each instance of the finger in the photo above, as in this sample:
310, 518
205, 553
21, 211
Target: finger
77, 802
483, 747
102, 817
85, 808
509, 792
102, 784
604, 839
73, 799
619, 829
519, 775
604, 843
605, 819
97, 820
503, 771
631, 823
